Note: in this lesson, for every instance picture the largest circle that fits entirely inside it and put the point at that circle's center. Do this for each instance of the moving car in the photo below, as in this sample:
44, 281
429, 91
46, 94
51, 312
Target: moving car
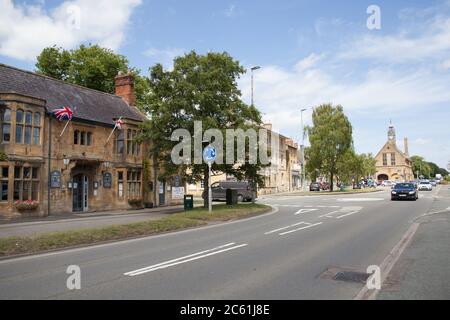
405, 190
387, 183
433, 183
219, 190
425, 186
314, 186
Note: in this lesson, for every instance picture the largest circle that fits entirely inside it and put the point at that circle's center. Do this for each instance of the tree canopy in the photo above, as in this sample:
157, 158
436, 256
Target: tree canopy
199, 88
330, 139
89, 66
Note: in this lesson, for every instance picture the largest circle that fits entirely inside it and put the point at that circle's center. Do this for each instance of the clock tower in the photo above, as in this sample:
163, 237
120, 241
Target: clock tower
391, 133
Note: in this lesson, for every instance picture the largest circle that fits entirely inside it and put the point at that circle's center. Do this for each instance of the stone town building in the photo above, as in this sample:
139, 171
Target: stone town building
393, 163
283, 175
88, 172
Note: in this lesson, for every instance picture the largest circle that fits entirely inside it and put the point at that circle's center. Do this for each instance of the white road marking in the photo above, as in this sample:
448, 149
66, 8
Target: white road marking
188, 258
295, 230
304, 211
328, 214
347, 214
287, 227
359, 199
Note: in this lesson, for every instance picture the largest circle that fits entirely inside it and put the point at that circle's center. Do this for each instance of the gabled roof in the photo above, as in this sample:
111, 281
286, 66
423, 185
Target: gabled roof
395, 147
87, 104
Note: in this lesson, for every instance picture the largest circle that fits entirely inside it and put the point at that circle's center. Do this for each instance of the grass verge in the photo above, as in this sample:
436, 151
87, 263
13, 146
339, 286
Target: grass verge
177, 221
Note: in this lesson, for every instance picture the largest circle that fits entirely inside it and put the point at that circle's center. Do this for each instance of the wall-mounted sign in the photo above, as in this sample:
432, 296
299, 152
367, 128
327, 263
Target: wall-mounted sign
55, 179
177, 181
107, 180
177, 193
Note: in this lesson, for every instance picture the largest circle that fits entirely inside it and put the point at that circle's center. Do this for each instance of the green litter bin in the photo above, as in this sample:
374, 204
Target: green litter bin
188, 202
231, 197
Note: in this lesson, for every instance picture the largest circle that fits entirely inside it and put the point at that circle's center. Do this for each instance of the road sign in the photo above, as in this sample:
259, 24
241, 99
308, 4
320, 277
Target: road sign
209, 154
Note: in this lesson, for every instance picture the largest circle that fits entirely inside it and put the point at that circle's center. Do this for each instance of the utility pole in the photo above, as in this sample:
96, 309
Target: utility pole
253, 69
302, 149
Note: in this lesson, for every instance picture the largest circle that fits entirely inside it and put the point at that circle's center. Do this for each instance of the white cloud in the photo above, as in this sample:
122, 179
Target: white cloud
309, 62
164, 56
232, 11
26, 29
430, 41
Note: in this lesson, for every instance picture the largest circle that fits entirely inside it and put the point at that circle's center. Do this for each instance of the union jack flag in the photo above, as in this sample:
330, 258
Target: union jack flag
64, 113
119, 123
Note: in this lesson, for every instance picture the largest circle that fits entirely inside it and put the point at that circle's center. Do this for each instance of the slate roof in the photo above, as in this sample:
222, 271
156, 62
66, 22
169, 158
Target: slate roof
87, 104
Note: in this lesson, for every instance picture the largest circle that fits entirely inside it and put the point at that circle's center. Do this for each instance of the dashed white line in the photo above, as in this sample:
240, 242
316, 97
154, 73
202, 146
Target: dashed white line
287, 227
347, 214
328, 214
188, 258
298, 229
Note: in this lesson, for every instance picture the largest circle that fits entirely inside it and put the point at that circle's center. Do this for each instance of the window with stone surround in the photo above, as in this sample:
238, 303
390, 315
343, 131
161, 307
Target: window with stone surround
5, 125
120, 142
133, 147
393, 162
26, 183
4, 171
385, 163
28, 127
82, 138
134, 183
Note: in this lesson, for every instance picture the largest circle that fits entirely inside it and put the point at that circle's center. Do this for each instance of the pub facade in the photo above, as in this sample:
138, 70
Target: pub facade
88, 166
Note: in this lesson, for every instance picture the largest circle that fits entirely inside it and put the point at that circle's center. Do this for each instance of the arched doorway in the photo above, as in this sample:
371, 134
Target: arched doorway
383, 177
80, 193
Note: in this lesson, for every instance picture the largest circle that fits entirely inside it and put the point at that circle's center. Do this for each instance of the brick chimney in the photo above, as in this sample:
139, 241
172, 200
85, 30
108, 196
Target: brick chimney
124, 84
405, 145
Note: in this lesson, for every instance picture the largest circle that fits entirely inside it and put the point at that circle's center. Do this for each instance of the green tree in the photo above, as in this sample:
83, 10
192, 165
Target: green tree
419, 165
199, 88
89, 66
330, 139
369, 164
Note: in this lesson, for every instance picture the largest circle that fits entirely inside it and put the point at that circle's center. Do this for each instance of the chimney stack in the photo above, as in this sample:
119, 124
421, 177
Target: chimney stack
124, 84
406, 146
268, 126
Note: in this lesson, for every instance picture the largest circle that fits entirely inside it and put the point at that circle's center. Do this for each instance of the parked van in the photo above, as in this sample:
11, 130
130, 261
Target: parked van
219, 190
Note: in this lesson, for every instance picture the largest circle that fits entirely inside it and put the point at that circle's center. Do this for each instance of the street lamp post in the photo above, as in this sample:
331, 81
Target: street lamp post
253, 69
302, 149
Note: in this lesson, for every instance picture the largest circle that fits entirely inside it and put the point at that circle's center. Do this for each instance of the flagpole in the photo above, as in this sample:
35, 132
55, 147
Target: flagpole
64, 128
115, 126
111, 134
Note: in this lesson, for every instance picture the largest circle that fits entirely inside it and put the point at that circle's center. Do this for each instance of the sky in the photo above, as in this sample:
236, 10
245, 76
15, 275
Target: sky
310, 52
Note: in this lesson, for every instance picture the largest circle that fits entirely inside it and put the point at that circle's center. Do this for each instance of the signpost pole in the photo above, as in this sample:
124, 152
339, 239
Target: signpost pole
209, 189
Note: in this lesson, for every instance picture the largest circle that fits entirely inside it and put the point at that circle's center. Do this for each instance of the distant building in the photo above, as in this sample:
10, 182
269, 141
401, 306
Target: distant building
393, 163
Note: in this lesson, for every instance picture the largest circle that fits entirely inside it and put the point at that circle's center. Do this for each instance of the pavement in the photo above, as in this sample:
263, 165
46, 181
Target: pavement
31, 227
294, 252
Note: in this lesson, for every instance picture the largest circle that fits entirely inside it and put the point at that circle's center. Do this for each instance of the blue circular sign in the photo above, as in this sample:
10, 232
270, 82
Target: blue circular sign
209, 154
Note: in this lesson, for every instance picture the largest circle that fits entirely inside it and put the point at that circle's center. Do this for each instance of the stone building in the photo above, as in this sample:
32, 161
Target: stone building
393, 163
283, 175
88, 172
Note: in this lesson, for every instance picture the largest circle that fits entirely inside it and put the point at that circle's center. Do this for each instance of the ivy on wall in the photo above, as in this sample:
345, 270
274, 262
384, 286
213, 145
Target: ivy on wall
3, 156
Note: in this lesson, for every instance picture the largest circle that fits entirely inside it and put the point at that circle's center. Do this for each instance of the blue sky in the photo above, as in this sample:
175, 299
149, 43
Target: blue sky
310, 51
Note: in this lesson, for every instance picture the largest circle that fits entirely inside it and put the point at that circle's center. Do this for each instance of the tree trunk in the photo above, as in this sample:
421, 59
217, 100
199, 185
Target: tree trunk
331, 181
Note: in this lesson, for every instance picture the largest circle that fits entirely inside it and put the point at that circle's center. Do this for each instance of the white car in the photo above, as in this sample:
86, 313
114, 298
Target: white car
387, 183
425, 185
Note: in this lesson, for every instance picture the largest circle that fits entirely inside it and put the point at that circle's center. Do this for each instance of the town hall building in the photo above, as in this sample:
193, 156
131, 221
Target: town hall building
391, 162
